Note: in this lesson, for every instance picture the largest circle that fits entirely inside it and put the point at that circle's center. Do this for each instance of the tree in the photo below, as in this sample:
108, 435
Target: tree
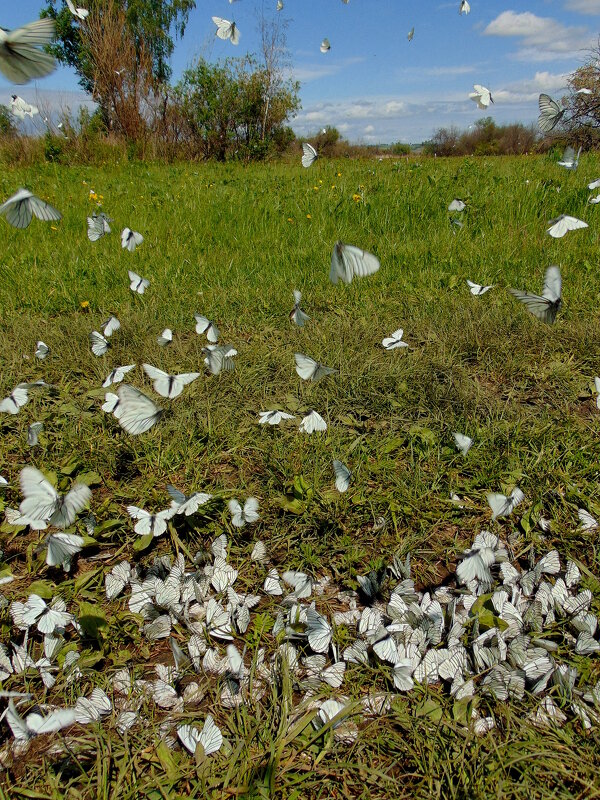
151, 23
224, 106
582, 108
7, 127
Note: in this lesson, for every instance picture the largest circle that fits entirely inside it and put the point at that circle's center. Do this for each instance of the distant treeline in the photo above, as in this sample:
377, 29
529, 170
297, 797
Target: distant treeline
486, 138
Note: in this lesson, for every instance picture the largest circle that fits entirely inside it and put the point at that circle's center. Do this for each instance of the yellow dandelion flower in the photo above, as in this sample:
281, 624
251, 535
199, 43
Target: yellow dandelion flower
320, 181
356, 197
308, 216
84, 304
290, 219
333, 185
339, 174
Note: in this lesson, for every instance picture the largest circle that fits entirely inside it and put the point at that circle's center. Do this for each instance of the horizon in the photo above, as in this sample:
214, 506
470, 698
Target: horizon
374, 87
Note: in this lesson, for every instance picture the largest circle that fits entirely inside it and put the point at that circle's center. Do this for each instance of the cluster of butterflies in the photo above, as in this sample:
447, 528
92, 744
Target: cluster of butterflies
500, 633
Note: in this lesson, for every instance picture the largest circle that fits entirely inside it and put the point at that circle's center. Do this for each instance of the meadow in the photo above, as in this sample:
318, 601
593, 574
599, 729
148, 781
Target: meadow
232, 242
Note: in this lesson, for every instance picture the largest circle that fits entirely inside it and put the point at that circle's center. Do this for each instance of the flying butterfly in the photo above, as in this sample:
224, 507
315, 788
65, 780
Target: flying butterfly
147, 523
33, 431
117, 375
80, 13
21, 108
44, 504
312, 422
15, 400
137, 284
227, 30
462, 442
19, 209
465, 8
309, 154
325, 46
569, 159
309, 369
482, 96
297, 315
111, 325
130, 239
273, 417
410, 35
207, 326
61, 549
98, 343
550, 113
394, 341
457, 205
502, 505
219, 358
41, 350
560, 225
135, 412
165, 338
166, 385
476, 289
97, 226
349, 262
20, 59
546, 306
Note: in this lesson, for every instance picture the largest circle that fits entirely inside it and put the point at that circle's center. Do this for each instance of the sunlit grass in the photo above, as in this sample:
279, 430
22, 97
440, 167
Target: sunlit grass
231, 242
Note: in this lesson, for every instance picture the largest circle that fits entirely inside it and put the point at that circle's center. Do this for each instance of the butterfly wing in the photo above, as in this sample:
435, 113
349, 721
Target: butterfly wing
342, 476
70, 505
306, 367
135, 412
43, 210
98, 343
552, 284
41, 498
237, 516
62, 547
540, 307
251, 510
550, 113
352, 262
20, 59
309, 154
17, 210
500, 505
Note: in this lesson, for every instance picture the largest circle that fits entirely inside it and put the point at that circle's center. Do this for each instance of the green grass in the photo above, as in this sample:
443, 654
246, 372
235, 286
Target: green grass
232, 242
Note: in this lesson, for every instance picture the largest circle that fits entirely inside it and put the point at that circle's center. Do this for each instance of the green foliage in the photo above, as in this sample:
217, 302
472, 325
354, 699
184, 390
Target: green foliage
231, 241
52, 147
484, 138
400, 149
225, 108
153, 22
7, 127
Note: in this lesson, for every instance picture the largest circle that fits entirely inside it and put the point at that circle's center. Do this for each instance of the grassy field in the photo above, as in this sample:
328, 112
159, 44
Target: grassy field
232, 242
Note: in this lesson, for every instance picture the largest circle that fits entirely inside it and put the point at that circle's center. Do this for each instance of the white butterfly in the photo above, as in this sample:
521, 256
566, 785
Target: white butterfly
20, 108
227, 30
98, 343
155, 524
584, 91
476, 289
20, 208
546, 306
92, 708
594, 184
296, 314
309, 154
111, 402
462, 442
550, 113
61, 548
117, 579
219, 357
247, 515
501, 505
137, 284
318, 630
325, 46
272, 584
111, 325
273, 417
259, 553
312, 422
464, 7
569, 159
20, 59
135, 412
167, 385
410, 34
43, 504
349, 262
597, 388
16, 399
342, 476
207, 326
97, 226
560, 225
33, 431
116, 376
41, 350
48, 619
481, 96
165, 338
279, 5
80, 13
476, 565
209, 738
588, 523
594, 200
309, 369
130, 239
394, 341
187, 505
457, 205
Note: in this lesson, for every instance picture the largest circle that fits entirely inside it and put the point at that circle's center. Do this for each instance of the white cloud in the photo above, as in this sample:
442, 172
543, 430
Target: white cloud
527, 90
542, 38
584, 6
312, 72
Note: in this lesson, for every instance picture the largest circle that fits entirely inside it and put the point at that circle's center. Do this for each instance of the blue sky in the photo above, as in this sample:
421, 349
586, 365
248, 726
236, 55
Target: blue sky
373, 84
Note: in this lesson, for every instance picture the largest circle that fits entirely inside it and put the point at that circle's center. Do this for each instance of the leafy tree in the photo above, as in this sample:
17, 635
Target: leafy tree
7, 127
224, 107
153, 23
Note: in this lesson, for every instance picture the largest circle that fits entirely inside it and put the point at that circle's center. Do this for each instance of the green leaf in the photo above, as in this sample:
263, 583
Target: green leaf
93, 620
90, 479
167, 762
430, 709
143, 543
44, 589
